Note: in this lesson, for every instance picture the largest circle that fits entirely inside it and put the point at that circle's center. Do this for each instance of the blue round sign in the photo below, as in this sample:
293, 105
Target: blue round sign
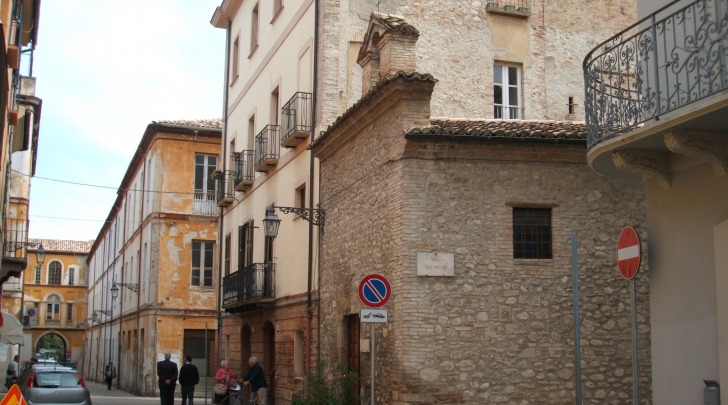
374, 290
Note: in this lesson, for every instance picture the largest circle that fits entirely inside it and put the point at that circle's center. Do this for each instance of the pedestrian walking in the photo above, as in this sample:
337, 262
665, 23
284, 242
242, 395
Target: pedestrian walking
188, 378
167, 373
109, 373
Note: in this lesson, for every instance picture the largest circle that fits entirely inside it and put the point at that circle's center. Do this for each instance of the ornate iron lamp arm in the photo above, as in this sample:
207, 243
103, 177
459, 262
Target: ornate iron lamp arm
316, 216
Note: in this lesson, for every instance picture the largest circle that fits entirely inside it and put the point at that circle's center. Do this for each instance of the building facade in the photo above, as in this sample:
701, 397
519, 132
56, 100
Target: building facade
479, 226
267, 291
152, 280
656, 112
50, 300
498, 60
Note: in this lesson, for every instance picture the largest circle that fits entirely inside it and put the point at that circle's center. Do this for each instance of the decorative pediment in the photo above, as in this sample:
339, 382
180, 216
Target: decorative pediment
381, 24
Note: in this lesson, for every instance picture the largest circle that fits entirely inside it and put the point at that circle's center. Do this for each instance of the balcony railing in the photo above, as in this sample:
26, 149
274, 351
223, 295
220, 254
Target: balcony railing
244, 170
249, 288
16, 239
656, 66
225, 188
296, 126
204, 203
267, 148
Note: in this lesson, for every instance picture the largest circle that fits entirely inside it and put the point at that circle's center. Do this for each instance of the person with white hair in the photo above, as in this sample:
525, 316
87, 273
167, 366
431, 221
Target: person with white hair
256, 379
225, 377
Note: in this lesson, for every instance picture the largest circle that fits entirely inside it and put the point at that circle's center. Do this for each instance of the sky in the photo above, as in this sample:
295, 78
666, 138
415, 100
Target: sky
105, 69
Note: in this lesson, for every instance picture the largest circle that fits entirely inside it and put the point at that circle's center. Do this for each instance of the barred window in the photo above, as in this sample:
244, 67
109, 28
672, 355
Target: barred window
54, 273
531, 233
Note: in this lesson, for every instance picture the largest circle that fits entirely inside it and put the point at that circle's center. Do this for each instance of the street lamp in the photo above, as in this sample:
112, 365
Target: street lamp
115, 288
271, 222
40, 253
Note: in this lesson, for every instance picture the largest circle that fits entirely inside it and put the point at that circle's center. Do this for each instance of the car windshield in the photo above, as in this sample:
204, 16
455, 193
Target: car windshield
56, 380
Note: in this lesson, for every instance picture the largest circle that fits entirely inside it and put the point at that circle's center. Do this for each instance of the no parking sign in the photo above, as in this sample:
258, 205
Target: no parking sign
374, 290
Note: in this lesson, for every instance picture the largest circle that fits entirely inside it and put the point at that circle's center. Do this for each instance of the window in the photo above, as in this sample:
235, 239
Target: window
507, 92
277, 6
37, 274
245, 245
54, 273
202, 263
254, 29
204, 166
228, 246
275, 107
235, 68
531, 233
71, 275
300, 196
69, 313
53, 309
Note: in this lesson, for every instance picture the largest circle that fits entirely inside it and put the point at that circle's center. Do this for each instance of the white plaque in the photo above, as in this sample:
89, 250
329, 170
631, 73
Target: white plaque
373, 315
435, 264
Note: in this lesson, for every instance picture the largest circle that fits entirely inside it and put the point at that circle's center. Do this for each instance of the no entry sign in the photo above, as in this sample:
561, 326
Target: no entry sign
374, 290
628, 253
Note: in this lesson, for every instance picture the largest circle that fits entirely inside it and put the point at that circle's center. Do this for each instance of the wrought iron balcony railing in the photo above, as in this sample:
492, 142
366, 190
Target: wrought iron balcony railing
656, 66
244, 170
16, 239
267, 148
296, 126
251, 287
225, 188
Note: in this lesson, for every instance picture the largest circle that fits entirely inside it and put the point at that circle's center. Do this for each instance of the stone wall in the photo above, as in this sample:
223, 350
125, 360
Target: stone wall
500, 330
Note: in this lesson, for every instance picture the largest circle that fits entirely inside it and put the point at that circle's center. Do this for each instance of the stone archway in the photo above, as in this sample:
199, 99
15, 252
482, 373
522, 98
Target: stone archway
51, 346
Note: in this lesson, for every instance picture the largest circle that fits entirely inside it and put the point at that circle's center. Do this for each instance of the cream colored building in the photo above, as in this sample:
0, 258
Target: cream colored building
657, 111
152, 279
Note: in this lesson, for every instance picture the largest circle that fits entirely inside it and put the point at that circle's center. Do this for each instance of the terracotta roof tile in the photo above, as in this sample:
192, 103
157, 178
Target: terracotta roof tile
68, 246
503, 129
215, 123
395, 23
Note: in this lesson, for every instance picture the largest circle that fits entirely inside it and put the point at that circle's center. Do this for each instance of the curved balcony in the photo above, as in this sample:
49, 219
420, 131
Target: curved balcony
658, 87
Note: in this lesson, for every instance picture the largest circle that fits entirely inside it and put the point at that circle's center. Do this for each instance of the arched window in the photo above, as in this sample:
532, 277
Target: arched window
54, 273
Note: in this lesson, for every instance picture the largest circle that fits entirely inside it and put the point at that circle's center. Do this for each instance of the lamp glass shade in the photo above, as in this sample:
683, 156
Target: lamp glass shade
40, 255
114, 291
271, 224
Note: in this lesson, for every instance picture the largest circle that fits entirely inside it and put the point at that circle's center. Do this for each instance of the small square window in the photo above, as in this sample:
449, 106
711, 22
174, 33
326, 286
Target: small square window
531, 233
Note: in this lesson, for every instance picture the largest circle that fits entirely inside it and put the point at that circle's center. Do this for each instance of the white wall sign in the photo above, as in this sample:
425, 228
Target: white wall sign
435, 264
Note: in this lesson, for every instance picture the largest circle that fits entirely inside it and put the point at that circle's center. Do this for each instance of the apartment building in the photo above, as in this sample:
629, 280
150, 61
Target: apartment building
656, 108
151, 268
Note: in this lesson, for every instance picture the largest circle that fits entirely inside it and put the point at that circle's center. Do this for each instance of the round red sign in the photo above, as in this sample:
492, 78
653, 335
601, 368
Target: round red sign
628, 253
374, 290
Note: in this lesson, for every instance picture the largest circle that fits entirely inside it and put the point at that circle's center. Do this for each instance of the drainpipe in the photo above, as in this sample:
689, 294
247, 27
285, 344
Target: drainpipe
136, 388
309, 304
222, 209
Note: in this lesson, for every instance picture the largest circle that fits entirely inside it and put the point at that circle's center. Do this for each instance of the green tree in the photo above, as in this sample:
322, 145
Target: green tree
337, 390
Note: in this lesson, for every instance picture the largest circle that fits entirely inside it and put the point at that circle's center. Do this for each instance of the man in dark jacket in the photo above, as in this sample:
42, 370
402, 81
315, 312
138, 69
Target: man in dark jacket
188, 378
167, 373
109, 373
256, 379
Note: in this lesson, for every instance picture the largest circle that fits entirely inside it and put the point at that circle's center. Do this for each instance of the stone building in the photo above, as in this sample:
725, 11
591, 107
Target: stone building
657, 113
472, 220
151, 269
292, 70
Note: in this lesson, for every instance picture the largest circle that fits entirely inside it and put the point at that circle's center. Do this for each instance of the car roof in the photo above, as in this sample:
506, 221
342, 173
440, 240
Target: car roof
52, 367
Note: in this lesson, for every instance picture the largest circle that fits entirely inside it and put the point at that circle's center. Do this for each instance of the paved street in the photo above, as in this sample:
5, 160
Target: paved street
102, 396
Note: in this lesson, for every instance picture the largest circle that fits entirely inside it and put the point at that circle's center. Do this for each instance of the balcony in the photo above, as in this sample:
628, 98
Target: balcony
516, 8
249, 289
244, 170
296, 126
204, 203
225, 188
267, 148
658, 88
15, 248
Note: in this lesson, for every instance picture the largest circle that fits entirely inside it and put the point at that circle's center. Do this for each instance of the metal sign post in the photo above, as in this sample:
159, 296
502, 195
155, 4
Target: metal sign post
374, 291
629, 252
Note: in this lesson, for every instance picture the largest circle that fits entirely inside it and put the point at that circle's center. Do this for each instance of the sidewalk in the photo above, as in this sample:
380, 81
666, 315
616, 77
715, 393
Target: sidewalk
99, 389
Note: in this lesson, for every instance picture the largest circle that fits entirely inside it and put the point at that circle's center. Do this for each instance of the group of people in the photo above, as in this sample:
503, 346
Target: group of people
188, 377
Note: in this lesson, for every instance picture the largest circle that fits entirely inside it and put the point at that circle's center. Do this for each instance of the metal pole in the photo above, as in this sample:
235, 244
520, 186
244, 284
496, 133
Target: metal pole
374, 362
635, 363
207, 363
577, 319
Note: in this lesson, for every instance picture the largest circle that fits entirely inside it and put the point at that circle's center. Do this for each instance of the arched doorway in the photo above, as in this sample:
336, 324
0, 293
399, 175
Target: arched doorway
51, 346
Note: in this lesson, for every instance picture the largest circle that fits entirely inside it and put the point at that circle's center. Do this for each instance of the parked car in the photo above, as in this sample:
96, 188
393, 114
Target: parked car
53, 384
